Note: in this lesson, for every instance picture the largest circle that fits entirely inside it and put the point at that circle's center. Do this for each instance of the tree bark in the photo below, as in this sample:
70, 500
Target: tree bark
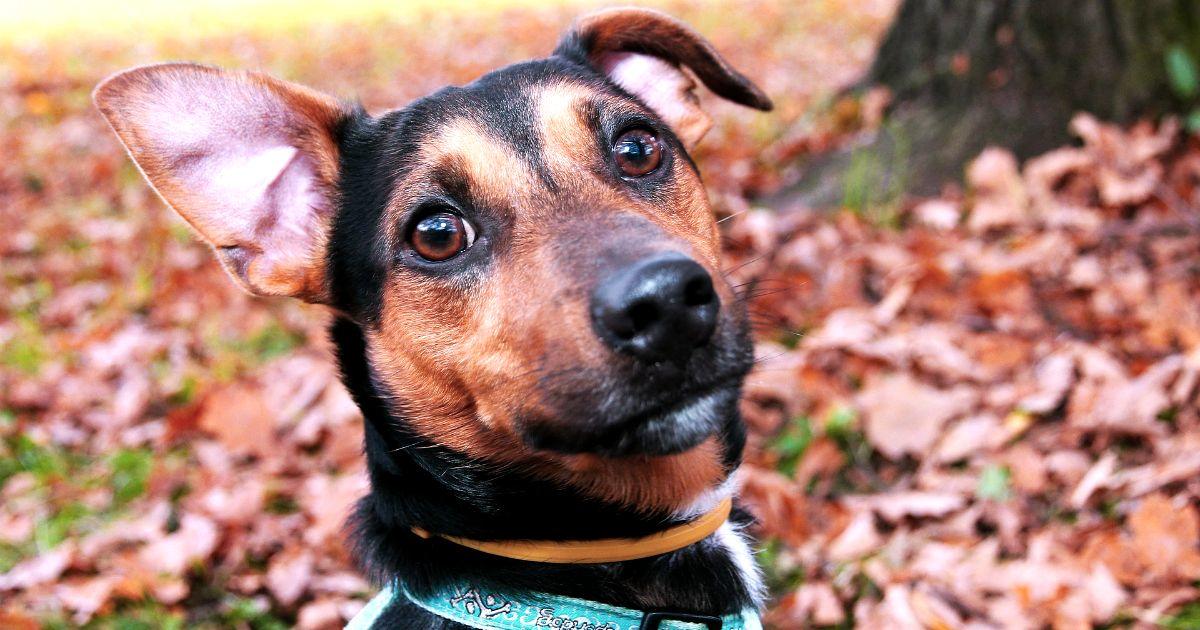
966, 74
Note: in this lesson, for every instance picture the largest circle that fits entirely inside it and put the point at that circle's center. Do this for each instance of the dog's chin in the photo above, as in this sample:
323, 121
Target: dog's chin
674, 429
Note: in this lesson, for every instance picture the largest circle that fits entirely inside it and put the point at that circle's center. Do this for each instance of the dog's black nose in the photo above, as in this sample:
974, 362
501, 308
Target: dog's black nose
658, 309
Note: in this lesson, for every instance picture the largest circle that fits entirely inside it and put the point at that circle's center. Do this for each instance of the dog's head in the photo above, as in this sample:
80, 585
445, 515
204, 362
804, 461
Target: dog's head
531, 257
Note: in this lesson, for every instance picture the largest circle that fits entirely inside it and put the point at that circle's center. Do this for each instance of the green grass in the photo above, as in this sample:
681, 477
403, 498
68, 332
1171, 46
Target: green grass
780, 578
1186, 619
995, 483
234, 355
212, 610
20, 453
26, 352
141, 615
791, 444
877, 178
242, 611
1184, 78
130, 471
60, 479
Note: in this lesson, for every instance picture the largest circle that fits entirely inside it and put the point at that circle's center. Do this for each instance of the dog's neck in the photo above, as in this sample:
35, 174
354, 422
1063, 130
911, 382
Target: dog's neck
415, 482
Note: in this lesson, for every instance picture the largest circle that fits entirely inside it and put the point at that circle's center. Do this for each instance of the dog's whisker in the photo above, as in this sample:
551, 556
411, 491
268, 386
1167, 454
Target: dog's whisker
726, 272
735, 214
765, 359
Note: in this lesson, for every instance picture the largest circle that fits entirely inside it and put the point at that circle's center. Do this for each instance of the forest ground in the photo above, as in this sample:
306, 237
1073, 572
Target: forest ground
978, 409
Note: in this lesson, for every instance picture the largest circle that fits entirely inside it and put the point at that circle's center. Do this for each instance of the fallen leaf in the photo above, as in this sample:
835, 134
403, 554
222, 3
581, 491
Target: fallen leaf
1054, 377
240, 419
904, 416
328, 501
969, 436
937, 214
1127, 405
1100, 474
289, 575
17, 620
194, 541
235, 505
1104, 594
858, 539
775, 502
40, 569
1164, 529
817, 603
897, 505
1000, 193
320, 614
85, 596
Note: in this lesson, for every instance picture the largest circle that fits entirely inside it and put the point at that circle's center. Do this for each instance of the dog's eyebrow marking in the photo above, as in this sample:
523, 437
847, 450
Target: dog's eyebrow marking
568, 141
494, 173
494, 168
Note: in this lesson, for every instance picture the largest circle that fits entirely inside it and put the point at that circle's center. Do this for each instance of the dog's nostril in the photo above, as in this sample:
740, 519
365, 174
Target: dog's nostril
642, 314
698, 291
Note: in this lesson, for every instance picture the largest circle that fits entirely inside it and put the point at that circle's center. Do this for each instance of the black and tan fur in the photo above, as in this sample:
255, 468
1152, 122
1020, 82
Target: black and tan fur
492, 409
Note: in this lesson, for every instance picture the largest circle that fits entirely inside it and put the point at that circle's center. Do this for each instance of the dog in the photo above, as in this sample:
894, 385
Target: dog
528, 308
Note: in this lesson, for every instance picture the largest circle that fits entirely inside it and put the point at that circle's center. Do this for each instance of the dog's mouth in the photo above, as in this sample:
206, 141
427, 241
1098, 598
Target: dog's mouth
677, 425
671, 429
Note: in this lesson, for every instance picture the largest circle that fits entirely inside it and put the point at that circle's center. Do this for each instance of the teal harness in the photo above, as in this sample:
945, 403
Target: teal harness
495, 610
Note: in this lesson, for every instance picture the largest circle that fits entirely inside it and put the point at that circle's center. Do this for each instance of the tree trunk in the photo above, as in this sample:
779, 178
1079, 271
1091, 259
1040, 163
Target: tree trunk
966, 74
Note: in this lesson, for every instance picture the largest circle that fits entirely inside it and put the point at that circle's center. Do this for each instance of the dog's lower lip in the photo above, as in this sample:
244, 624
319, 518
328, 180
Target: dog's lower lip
680, 424
690, 399
672, 428
667, 411
679, 411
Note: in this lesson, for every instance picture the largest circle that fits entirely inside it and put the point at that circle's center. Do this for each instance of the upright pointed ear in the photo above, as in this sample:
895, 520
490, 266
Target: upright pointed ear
642, 50
249, 161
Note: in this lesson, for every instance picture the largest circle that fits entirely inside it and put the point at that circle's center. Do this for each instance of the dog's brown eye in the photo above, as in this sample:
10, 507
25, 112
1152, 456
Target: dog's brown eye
637, 152
441, 235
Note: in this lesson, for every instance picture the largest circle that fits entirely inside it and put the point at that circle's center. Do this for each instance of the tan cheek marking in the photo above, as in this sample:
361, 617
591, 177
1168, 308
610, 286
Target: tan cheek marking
500, 353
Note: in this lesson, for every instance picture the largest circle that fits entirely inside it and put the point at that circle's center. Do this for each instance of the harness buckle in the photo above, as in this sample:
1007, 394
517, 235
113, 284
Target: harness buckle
654, 620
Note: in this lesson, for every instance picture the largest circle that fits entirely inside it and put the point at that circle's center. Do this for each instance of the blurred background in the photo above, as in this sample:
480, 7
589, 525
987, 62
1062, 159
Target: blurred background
973, 229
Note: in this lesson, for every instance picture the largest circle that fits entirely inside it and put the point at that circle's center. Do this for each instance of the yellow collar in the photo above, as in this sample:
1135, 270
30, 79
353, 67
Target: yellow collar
601, 550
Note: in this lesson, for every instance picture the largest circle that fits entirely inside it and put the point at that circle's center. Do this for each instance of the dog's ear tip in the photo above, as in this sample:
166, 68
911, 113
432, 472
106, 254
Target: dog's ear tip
750, 95
108, 91
112, 88
645, 31
629, 12
738, 89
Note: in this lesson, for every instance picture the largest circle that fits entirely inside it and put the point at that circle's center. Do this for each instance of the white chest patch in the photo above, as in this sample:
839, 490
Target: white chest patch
730, 537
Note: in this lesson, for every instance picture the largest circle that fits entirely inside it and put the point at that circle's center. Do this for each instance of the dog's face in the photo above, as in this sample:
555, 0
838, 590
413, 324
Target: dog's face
532, 257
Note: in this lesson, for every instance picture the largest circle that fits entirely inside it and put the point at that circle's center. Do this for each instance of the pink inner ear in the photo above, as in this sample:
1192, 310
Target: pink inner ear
248, 187
231, 153
226, 151
663, 87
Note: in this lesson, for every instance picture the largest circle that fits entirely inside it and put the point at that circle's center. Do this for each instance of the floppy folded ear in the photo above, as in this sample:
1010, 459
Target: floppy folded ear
248, 160
642, 50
